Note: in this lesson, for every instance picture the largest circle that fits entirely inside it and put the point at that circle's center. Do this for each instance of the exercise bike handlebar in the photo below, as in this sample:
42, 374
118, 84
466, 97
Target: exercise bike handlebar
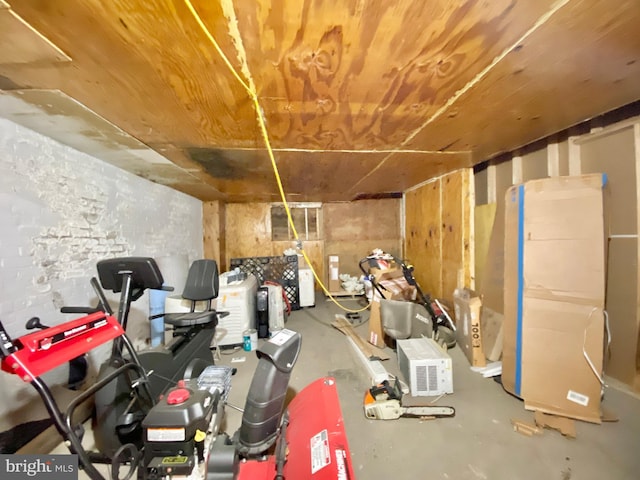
103, 303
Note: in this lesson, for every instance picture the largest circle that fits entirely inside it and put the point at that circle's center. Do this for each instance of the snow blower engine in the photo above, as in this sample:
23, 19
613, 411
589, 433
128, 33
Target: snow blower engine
176, 428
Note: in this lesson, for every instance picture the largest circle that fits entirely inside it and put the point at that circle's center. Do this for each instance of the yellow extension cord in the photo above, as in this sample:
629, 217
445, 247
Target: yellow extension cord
265, 135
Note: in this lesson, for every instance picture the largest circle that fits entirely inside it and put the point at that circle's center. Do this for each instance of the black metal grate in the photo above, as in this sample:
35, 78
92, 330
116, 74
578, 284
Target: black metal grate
282, 270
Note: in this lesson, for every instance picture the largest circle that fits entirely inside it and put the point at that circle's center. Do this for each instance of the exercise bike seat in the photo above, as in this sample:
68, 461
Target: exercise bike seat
201, 285
190, 319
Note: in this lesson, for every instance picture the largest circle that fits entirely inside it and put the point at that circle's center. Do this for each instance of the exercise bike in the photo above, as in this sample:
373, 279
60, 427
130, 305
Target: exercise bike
118, 419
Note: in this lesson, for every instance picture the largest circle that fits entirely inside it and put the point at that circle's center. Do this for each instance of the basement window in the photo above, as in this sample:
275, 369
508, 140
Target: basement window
306, 218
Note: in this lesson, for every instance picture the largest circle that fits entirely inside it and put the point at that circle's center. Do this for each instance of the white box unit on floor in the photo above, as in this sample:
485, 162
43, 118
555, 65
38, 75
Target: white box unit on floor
306, 286
276, 307
425, 366
239, 299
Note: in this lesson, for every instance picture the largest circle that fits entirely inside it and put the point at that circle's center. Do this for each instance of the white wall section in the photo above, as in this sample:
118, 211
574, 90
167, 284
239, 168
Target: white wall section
61, 211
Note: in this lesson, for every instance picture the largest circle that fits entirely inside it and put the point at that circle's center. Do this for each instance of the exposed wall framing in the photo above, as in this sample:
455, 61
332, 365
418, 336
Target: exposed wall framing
213, 229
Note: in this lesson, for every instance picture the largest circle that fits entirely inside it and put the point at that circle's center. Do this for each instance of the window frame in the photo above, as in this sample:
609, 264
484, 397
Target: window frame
306, 232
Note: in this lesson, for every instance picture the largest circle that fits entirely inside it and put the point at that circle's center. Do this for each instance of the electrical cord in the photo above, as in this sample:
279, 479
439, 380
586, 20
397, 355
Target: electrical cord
251, 90
584, 345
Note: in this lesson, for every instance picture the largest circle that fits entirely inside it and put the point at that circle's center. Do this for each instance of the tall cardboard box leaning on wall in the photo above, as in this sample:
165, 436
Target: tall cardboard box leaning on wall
468, 307
554, 295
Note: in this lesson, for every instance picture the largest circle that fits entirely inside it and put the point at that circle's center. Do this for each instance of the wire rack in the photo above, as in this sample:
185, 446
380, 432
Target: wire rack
282, 270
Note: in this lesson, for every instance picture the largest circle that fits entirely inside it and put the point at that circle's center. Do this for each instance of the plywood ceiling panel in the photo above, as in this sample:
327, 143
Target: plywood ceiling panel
360, 99
364, 74
582, 64
20, 43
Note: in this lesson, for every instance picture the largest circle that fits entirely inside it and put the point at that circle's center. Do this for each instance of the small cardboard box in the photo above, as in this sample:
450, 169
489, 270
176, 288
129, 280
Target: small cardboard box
395, 286
334, 273
468, 309
426, 367
554, 287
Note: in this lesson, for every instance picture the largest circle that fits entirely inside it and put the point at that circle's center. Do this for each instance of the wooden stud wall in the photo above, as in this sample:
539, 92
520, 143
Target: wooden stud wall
438, 233
423, 243
353, 229
213, 230
350, 229
456, 231
248, 230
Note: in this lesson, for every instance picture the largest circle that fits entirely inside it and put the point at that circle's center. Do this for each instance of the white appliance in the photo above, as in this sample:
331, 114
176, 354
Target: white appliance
276, 307
306, 286
425, 366
239, 299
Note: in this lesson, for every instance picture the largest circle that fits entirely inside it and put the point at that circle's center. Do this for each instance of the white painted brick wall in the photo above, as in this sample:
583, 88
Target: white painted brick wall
60, 212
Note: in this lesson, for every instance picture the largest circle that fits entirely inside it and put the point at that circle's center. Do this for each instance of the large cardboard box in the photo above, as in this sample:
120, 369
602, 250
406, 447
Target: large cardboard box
426, 367
467, 306
554, 295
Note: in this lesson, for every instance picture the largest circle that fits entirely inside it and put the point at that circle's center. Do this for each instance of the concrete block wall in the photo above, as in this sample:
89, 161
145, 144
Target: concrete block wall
61, 211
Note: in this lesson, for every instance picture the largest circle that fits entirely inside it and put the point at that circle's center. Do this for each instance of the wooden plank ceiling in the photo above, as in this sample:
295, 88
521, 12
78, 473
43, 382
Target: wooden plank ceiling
361, 99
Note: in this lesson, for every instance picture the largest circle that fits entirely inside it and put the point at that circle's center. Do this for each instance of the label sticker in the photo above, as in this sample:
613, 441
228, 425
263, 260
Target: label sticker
320, 453
282, 336
578, 398
166, 434
334, 273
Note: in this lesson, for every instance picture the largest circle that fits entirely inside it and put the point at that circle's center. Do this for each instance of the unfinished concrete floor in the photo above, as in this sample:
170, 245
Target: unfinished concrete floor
478, 443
